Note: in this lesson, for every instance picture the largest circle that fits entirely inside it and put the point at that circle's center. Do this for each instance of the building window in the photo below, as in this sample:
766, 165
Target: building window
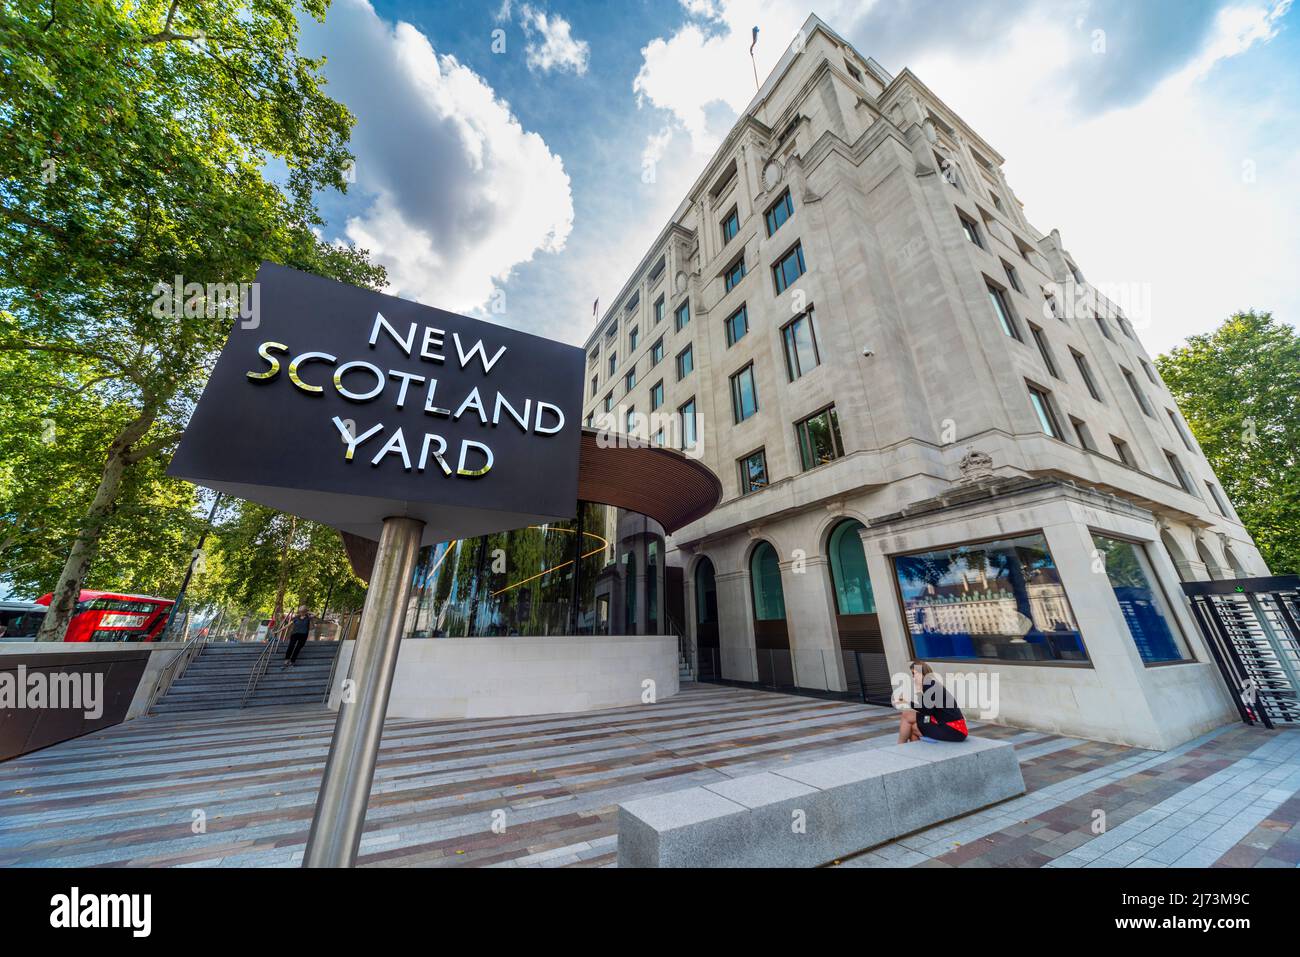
800, 341
753, 472
974, 601
737, 326
853, 592
765, 583
613, 362
1081, 363
591, 418
683, 315
788, 268
819, 439
657, 352
595, 385
730, 226
1105, 329
1124, 452
853, 71
656, 395
1013, 277
778, 213
744, 394
1137, 393
1180, 476
658, 439
1085, 436
1044, 350
690, 434
1145, 613
734, 274
1220, 503
1042, 404
685, 362
629, 422
633, 338
659, 310
1150, 373
1003, 310
1182, 432
609, 402
629, 380
971, 230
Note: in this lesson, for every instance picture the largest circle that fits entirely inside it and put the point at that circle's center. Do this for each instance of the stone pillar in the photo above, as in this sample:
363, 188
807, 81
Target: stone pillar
735, 626
810, 619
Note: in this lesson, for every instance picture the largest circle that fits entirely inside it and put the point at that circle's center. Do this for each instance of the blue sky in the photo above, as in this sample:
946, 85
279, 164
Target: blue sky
1161, 137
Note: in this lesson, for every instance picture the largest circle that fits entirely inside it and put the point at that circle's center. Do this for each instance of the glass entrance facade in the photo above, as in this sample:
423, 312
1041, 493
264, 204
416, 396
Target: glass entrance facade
588, 576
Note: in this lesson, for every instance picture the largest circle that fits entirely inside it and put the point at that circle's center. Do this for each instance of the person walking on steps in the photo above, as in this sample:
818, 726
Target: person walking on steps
299, 630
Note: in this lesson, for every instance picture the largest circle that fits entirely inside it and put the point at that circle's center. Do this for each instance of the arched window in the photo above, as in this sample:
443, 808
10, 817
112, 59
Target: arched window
853, 594
1238, 570
706, 594
765, 580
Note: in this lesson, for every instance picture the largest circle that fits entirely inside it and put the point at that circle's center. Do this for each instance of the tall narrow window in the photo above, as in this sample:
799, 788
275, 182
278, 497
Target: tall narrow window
730, 226
1150, 624
685, 362
690, 433
799, 339
595, 385
737, 325
1043, 409
735, 272
1179, 428
659, 310
1003, 310
1137, 393
1081, 363
971, 230
609, 402
819, 439
683, 315
1105, 329
1180, 476
657, 352
656, 395
753, 472
1124, 452
1085, 436
788, 268
1220, 502
1150, 373
629, 380
778, 213
1013, 277
744, 394
633, 338
613, 362
1044, 350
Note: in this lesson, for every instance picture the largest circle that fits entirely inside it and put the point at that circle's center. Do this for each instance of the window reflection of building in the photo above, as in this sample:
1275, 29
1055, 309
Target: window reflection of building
999, 599
600, 573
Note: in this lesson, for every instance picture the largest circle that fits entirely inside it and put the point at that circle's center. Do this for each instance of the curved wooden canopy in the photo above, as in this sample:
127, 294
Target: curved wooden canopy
660, 483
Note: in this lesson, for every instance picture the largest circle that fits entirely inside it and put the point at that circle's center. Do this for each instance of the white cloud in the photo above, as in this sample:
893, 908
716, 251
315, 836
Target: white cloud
459, 192
1151, 192
551, 45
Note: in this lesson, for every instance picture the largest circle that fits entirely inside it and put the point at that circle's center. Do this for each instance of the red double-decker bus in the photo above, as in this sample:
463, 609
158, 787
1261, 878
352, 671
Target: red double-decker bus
110, 616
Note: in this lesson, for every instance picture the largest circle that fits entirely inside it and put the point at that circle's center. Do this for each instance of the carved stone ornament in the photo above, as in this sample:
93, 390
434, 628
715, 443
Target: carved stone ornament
975, 465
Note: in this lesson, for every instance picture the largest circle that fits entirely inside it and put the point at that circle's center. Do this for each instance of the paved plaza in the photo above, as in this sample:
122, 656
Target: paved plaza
135, 795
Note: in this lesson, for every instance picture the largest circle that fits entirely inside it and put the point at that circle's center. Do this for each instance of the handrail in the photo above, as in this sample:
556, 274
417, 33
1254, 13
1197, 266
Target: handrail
259, 668
334, 667
174, 669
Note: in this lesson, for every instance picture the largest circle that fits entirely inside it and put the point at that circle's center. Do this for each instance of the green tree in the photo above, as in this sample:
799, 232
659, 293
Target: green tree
1237, 388
136, 146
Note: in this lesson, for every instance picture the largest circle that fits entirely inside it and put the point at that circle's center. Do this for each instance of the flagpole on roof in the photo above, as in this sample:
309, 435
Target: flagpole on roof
752, 61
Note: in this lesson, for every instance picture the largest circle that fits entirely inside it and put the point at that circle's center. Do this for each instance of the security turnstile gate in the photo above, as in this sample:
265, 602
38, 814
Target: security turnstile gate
1250, 627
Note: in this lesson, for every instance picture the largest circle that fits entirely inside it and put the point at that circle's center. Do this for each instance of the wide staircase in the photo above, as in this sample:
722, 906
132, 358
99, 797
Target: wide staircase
232, 675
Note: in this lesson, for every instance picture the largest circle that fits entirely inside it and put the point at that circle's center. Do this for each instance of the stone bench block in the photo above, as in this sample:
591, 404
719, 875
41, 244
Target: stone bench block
810, 814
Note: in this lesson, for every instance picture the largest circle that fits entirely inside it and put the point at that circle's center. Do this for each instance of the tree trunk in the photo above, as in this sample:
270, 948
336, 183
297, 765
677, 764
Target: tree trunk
284, 569
63, 602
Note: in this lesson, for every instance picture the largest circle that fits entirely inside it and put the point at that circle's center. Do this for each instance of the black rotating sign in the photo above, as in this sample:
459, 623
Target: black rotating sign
345, 406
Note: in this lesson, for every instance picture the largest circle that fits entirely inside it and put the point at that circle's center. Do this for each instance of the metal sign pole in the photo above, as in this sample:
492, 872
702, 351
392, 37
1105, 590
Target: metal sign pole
350, 769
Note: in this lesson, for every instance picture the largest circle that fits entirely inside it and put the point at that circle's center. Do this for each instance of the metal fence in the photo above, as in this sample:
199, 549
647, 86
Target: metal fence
858, 675
1250, 626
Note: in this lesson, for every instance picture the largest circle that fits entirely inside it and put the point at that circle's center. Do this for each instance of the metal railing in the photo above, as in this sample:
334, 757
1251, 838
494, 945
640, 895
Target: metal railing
259, 668
334, 667
859, 675
174, 669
